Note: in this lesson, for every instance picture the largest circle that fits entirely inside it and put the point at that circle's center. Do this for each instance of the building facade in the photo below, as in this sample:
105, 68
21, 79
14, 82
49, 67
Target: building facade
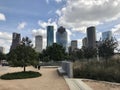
2, 50
73, 45
50, 35
38, 43
61, 37
91, 37
16, 39
84, 42
107, 35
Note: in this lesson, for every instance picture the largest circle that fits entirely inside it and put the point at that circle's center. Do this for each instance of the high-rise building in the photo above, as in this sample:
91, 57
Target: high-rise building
38, 43
73, 45
2, 49
16, 39
91, 37
84, 42
61, 37
107, 35
50, 35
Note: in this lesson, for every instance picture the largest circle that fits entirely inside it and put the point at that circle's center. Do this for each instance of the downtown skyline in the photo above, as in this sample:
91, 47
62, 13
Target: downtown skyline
31, 17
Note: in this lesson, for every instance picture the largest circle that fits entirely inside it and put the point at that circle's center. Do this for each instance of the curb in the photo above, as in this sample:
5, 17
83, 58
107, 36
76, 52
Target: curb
76, 84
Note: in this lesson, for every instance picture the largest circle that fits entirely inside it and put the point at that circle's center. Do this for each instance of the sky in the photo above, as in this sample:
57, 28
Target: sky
30, 18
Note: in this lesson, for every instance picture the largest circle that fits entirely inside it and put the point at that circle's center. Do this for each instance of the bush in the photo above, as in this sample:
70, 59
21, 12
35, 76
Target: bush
109, 71
20, 75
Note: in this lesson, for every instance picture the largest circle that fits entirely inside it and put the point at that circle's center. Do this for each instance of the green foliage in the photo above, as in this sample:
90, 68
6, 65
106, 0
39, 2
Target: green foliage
89, 52
76, 55
79, 54
98, 70
55, 52
23, 55
2, 56
107, 47
20, 75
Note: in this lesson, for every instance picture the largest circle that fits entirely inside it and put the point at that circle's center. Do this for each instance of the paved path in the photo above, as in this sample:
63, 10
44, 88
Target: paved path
49, 80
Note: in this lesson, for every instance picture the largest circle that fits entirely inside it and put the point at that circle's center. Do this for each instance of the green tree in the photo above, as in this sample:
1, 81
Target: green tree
76, 54
107, 47
2, 56
80, 54
23, 55
89, 52
55, 52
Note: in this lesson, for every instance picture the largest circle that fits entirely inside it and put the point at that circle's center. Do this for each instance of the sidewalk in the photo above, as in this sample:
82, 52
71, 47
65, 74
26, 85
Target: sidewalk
49, 80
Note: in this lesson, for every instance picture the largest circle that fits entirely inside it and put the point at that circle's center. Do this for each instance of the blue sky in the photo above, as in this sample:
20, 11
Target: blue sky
30, 18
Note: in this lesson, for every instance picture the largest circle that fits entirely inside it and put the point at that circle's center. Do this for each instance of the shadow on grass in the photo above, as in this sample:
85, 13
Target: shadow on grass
20, 75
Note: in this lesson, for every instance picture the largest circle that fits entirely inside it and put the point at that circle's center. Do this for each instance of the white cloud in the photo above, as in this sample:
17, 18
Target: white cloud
5, 36
22, 25
5, 40
99, 36
58, 1
2, 17
43, 24
79, 41
47, 1
69, 33
116, 33
58, 12
78, 14
116, 29
40, 31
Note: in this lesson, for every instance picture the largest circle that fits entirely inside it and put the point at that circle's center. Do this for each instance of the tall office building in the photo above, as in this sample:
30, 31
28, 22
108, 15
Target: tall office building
2, 49
38, 43
84, 42
50, 35
16, 39
61, 37
73, 45
91, 37
107, 35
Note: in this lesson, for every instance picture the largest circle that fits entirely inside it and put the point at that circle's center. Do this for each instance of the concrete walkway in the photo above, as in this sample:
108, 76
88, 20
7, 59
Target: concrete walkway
50, 80
76, 84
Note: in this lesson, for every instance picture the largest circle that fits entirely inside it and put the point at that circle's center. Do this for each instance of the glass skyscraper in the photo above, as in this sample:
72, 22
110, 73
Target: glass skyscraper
107, 35
50, 35
61, 37
38, 43
91, 37
73, 45
16, 39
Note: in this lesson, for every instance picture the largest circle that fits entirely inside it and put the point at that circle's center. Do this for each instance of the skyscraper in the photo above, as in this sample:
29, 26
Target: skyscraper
2, 49
73, 45
38, 43
61, 37
91, 37
84, 42
50, 35
16, 38
107, 35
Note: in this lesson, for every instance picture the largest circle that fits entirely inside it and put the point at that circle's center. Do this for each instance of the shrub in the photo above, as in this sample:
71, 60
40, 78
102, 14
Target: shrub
109, 71
20, 75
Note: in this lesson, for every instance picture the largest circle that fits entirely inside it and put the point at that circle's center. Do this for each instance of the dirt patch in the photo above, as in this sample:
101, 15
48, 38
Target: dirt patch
50, 80
101, 85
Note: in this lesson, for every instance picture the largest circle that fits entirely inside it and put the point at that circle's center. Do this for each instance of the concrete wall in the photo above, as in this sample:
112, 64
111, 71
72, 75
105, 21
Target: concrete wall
68, 68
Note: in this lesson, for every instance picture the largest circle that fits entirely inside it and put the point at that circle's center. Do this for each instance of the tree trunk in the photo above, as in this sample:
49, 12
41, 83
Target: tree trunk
24, 68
